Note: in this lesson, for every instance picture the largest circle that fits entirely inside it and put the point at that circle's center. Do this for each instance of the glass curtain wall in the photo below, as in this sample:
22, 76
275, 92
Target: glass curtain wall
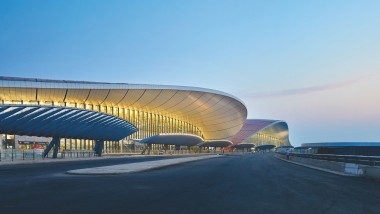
148, 123
264, 139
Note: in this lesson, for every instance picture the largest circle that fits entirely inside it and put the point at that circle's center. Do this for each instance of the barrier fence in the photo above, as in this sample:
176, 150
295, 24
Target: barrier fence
77, 154
15, 154
357, 159
37, 154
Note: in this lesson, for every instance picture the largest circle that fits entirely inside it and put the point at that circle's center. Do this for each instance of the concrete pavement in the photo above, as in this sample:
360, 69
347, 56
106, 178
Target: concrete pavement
254, 183
136, 167
104, 157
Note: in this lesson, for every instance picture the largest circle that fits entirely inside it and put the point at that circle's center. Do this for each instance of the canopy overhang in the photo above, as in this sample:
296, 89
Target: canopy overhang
243, 146
62, 122
179, 139
215, 143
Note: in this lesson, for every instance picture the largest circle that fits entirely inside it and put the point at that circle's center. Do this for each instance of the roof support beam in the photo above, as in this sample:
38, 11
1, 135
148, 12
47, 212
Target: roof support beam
56, 143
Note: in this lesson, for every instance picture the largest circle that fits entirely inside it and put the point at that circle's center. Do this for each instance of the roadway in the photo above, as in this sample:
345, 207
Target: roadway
236, 184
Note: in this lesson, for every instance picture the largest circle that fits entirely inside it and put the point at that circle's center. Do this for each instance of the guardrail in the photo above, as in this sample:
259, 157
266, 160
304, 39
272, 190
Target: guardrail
37, 154
182, 152
15, 154
77, 154
357, 159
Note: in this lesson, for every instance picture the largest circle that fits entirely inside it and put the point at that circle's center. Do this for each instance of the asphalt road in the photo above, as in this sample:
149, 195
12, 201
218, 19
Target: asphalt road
235, 184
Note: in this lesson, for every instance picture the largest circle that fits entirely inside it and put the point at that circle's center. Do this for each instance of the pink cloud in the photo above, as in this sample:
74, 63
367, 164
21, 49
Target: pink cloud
302, 91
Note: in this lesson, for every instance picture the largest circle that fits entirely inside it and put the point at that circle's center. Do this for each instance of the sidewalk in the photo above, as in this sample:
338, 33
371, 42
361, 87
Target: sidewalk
104, 157
60, 160
137, 167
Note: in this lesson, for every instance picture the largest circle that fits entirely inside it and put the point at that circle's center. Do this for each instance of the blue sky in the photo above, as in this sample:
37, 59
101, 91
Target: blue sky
314, 64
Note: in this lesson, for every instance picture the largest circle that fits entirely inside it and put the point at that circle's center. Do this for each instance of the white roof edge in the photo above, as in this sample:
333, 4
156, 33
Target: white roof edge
19, 82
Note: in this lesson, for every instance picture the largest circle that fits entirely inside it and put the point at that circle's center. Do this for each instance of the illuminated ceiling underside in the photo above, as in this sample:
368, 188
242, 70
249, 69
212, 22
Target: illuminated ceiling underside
52, 121
217, 114
275, 128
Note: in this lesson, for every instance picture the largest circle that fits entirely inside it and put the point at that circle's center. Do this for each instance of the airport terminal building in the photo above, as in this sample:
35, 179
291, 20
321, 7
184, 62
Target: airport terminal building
77, 115
262, 133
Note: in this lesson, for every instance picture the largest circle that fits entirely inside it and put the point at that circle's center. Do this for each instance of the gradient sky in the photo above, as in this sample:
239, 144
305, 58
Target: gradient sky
314, 64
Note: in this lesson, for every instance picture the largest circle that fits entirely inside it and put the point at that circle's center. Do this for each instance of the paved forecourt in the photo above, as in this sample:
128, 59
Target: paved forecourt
253, 183
136, 167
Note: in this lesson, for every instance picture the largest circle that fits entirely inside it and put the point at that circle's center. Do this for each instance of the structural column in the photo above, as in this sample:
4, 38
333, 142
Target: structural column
56, 142
99, 144
149, 148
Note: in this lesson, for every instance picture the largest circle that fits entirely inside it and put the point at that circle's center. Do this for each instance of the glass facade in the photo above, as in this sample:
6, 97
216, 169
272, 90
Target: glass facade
263, 132
260, 139
148, 123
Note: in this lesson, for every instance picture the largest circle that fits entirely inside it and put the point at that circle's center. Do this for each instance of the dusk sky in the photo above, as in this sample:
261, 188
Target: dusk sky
314, 64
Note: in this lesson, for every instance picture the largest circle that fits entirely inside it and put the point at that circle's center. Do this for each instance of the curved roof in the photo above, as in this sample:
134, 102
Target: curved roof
53, 121
173, 139
216, 143
264, 147
217, 114
243, 146
251, 127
